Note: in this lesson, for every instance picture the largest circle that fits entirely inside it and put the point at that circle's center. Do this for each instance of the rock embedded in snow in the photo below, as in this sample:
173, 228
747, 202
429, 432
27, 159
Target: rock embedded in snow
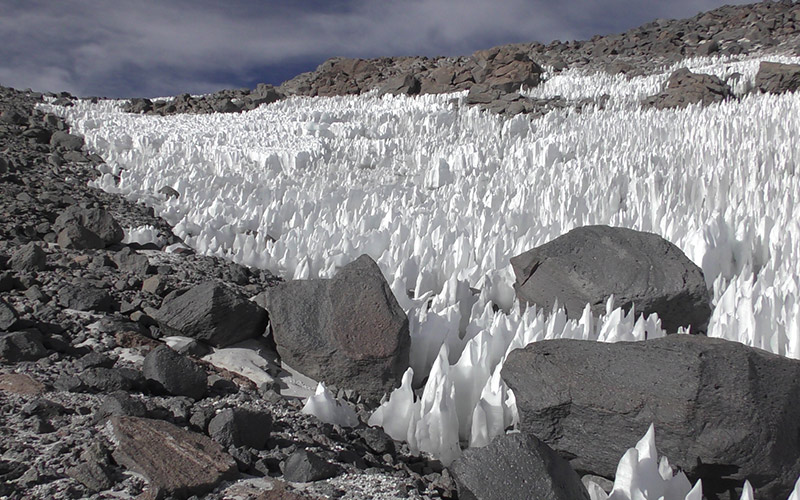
684, 88
174, 461
348, 330
174, 373
212, 313
516, 466
724, 412
777, 78
589, 264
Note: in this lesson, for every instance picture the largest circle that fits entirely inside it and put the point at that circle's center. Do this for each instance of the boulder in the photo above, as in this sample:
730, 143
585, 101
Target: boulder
401, 85
85, 297
723, 412
777, 78
516, 466
684, 88
96, 220
173, 373
348, 331
24, 345
241, 427
588, 264
66, 141
213, 313
129, 261
9, 317
29, 257
505, 68
75, 236
303, 466
174, 461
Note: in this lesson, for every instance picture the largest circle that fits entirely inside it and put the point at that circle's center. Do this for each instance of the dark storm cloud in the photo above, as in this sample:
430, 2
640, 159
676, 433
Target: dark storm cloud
149, 47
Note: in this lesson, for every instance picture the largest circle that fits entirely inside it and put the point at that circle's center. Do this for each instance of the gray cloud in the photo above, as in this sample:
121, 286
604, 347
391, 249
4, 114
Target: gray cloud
151, 47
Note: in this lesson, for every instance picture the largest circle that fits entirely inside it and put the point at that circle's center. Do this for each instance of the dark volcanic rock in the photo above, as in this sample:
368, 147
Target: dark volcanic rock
75, 236
516, 466
303, 466
129, 261
403, 84
174, 373
66, 141
25, 345
241, 427
777, 78
214, 314
684, 88
96, 220
723, 412
85, 297
174, 461
590, 263
29, 257
9, 317
348, 330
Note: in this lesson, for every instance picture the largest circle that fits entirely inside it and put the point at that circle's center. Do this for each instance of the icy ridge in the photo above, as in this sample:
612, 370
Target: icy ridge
442, 196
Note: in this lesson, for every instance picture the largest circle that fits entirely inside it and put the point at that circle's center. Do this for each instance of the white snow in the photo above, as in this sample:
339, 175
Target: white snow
442, 196
327, 408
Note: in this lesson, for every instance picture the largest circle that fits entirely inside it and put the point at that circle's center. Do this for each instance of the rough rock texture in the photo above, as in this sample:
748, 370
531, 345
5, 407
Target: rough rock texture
516, 466
590, 263
213, 313
223, 101
348, 330
303, 466
723, 412
96, 220
241, 427
777, 78
174, 373
174, 461
684, 88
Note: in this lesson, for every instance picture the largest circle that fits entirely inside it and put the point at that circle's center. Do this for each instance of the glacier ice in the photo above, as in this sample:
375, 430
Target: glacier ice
442, 195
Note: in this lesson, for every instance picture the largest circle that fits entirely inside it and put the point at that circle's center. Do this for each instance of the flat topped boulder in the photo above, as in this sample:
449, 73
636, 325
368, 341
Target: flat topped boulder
348, 330
590, 263
174, 461
723, 412
212, 313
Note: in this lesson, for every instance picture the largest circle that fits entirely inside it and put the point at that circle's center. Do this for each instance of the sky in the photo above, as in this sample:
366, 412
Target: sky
149, 48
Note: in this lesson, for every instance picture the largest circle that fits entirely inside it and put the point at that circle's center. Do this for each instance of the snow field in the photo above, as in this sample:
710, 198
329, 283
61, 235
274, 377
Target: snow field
442, 196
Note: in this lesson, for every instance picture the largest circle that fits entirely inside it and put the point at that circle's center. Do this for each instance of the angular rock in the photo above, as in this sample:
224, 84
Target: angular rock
24, 345
303, 466
105, 380
214, 314
174, 461
20, 383
66, 141
96, 220
516, 466
9, 317
129, 261
723, 412
168, 371
85, 297
641, 269
241, 427
505, 69
777, 78
401, 85
29, 257
75, 236
120, 403
684, 88
348, 331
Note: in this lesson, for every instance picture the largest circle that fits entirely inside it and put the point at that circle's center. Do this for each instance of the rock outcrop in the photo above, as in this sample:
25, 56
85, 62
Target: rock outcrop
777, 78
684, 88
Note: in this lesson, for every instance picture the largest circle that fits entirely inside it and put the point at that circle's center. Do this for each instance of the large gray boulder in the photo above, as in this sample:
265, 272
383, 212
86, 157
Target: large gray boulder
348, 331
516, 466
213, 313
241, 427
684, 88
777, 78
641, 269
96, 220
723, 412
505, 68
